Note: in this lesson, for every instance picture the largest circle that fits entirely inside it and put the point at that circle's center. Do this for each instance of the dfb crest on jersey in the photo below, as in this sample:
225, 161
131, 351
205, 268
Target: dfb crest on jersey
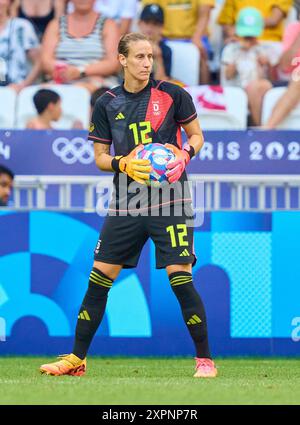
156, 109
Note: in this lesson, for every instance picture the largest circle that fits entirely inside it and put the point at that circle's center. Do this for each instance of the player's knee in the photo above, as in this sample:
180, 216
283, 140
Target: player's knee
99, 284
110, 270
182, 285
175, 268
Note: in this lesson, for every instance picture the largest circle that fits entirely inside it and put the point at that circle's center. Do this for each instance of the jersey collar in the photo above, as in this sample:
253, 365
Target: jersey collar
138, 94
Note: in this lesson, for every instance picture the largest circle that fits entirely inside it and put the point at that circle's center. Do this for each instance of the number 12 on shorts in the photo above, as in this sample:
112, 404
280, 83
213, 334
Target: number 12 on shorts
178, 234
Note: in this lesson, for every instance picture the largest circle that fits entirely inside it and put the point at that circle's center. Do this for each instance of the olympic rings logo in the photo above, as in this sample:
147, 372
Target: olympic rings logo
71, 151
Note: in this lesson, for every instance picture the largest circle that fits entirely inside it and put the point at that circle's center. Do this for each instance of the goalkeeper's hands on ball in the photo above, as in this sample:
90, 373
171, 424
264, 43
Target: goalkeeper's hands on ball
138, 169
182, 158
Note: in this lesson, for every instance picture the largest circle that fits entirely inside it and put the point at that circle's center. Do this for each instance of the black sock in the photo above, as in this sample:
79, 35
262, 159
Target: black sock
192, 310
91, 311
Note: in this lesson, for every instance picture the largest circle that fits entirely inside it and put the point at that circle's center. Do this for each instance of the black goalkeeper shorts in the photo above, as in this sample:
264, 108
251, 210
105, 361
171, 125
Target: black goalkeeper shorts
122, 239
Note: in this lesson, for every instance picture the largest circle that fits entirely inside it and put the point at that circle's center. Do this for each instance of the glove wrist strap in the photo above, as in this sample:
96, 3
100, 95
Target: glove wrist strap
190, 152
115, 163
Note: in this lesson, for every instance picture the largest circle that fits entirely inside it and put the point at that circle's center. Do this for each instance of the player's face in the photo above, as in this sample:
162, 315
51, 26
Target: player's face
138, 64
6, 185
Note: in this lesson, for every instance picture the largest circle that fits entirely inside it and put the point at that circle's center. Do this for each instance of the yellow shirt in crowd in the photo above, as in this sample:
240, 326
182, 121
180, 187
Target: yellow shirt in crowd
231, 9
181, 16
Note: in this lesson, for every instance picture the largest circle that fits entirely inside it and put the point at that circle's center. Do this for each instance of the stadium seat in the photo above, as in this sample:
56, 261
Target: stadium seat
75, 105
234, 118
7, 107
185, 62
292, 122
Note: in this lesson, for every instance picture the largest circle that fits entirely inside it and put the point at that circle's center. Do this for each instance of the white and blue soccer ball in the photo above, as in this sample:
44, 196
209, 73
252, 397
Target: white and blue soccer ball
159, 157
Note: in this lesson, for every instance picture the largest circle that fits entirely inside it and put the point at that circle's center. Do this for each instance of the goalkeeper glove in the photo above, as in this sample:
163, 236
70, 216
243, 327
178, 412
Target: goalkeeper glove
138, 169
182, 158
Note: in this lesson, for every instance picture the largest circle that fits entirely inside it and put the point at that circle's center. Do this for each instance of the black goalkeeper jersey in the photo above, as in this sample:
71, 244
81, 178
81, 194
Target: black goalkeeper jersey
153, 115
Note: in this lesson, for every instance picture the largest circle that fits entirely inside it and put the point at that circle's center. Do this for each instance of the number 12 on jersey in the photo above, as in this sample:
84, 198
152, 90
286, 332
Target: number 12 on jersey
140, 131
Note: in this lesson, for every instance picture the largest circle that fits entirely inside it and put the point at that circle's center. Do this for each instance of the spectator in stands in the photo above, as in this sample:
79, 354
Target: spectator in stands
38, 12
81, 48
273, 11
246, 63
122, 11
289, 67
151, 24
6, 185
48, 105
18, 44
189, 22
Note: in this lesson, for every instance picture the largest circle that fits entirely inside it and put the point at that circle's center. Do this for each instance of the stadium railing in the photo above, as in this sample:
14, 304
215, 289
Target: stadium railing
221, 192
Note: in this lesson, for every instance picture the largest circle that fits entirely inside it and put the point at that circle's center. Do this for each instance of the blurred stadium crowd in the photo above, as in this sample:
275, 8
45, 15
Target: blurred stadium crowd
231, 55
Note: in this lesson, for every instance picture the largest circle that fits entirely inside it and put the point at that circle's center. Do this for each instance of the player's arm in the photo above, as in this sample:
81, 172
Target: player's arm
194, 134
186, 116
183, 156
102, 157
100, 134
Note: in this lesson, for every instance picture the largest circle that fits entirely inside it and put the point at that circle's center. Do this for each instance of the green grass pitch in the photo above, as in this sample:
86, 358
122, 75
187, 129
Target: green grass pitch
152, 381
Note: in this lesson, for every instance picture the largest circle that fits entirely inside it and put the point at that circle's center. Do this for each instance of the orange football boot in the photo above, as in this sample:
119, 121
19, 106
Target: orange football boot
68, 364
205, 368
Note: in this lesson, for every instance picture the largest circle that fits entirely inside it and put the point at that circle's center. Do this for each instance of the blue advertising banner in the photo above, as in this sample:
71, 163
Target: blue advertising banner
247, 273
225, 152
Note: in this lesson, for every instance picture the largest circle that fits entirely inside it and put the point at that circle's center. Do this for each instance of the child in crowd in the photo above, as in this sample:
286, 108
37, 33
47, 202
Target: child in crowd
248, 63
48, 105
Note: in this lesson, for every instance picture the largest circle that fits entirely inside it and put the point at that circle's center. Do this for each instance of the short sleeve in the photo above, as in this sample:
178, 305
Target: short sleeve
227, 14
185, 110
29, 38
99, 128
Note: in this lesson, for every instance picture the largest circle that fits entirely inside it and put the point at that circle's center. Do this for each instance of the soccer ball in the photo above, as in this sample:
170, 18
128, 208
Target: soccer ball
159, 157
